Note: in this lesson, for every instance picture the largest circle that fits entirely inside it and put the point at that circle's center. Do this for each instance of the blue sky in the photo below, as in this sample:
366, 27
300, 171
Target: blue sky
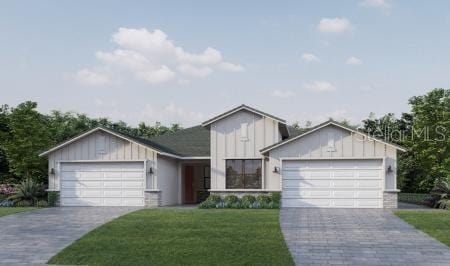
185, 62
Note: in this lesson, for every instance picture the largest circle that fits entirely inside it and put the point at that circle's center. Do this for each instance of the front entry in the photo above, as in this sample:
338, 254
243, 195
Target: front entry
189, 184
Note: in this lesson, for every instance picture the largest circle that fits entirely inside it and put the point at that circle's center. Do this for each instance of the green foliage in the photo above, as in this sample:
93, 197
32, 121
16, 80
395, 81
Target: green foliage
213, 201
276, 197
24, 203
28, 190
230, 201
27, 134
53, 198
248, 201
41, 204
441, 195
425, 134
416, 198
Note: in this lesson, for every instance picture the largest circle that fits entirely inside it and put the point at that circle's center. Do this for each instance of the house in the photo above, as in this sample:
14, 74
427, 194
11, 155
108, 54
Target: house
242, 151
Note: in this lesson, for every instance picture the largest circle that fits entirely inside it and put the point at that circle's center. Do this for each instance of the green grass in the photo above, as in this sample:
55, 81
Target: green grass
434, 223
11, 210
183, 236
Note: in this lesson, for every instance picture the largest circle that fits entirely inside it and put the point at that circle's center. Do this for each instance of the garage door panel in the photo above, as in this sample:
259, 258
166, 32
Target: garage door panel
306, 203
102, 184
332, 183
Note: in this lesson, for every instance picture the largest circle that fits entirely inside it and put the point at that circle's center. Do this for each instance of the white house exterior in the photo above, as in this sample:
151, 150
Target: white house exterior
241, 151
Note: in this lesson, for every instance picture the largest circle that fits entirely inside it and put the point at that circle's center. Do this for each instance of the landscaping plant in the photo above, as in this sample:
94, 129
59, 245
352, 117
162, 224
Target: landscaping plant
440, 195
28, 191
245, 202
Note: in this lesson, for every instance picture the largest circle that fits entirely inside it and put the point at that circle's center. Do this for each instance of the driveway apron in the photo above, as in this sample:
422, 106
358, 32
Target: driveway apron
32, 238
357, 237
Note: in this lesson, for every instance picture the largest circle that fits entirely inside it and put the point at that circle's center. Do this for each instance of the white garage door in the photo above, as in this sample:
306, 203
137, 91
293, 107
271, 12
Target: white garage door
102, 184
332, 183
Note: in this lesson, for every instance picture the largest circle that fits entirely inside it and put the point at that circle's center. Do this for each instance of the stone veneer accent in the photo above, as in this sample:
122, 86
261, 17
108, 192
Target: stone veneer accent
152, 198
390, 200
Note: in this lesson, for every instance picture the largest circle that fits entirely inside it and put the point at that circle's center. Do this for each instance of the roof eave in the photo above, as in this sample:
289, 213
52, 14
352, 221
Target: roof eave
330, 122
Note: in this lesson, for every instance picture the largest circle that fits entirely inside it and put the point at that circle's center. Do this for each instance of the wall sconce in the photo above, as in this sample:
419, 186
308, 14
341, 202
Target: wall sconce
150, 170
276, 169
52, 171
389, 169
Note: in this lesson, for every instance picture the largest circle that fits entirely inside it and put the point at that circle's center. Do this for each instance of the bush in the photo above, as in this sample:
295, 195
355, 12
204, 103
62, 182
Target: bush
231, 201
415, 198
53, 197
263, 201
28, 190
213, 201
6, 203
276, 197
440, 196
248, 201
42, 204
23, 203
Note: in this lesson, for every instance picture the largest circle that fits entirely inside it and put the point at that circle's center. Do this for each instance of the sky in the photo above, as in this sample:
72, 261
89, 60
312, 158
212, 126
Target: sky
187, 61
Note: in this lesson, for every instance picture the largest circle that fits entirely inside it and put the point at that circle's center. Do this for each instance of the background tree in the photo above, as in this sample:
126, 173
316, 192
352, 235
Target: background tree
27, 135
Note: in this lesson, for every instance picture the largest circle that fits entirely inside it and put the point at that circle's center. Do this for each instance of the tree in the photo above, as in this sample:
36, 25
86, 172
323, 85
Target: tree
26, 137
429, 141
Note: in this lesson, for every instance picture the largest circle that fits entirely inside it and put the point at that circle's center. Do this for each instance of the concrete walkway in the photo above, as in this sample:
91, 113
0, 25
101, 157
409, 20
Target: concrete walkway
32, 238
357, 237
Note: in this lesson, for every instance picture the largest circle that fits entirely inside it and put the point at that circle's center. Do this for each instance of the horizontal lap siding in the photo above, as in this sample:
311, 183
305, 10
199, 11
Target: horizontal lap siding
88, 148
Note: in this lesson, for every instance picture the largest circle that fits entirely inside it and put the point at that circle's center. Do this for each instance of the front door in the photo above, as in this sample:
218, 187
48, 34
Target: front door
189, 184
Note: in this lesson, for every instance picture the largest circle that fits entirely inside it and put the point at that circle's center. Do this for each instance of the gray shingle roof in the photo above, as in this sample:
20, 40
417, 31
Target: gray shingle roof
189, 142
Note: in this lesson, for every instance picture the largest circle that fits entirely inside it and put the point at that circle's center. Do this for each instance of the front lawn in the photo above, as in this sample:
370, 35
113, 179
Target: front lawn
183, 236
434, 223
11, 210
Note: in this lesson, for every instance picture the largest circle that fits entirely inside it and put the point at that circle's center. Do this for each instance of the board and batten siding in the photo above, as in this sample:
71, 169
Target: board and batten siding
346, 145
226, 142
102, 146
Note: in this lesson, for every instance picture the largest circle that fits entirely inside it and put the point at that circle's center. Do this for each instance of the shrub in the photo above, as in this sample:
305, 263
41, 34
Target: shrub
23, 203
248, 201
213, 201
53, 197
440, 196
276, 197
6, 203
42, 204
28, 190
6, 190
263, 201
230, 201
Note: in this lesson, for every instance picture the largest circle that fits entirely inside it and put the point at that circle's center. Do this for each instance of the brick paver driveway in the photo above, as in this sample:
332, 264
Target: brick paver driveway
34, 237
357, 237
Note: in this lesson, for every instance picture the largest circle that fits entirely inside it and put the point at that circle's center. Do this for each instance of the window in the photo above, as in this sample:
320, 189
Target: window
243, 174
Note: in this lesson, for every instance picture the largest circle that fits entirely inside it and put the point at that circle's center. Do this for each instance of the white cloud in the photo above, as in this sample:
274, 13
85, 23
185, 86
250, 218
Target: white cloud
308, 57
283, 93
151, 57
376, 3
334, 25
193, 71
319, 86
91, 78
354, 61
231, 67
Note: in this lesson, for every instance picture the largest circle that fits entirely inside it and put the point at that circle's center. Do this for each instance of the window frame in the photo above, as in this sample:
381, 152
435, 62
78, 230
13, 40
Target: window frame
243, 174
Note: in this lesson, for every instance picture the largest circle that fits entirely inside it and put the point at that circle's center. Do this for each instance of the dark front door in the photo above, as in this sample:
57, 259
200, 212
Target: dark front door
189, 184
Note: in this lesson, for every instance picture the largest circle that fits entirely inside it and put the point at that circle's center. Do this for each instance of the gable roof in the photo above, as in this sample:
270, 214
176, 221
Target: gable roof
189, 142
140, 141
239, 108
322, 125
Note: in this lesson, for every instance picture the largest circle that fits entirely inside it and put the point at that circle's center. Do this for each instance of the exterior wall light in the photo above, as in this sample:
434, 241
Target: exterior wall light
276, 169
389, 169
52, 171
150, 170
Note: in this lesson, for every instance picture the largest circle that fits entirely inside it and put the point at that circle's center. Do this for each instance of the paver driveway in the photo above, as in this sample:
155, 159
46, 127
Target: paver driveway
357, 237
34, 237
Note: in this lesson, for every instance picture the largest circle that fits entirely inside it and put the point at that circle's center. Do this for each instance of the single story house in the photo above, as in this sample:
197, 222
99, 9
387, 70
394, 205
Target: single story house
241, 151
